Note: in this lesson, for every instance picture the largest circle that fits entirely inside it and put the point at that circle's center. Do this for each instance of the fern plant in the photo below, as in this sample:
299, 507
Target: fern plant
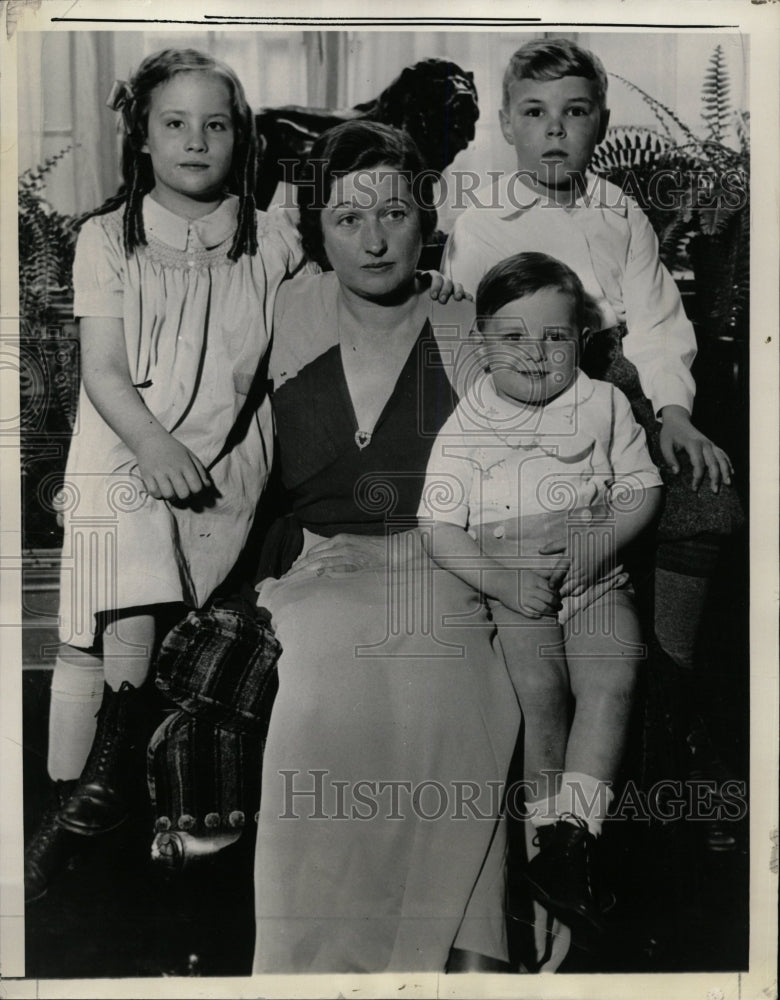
49, 368
47, 241
695, 190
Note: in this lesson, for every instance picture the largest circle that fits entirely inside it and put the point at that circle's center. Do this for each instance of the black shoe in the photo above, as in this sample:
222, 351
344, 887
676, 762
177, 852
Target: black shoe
51, 847
563, 877
97, 804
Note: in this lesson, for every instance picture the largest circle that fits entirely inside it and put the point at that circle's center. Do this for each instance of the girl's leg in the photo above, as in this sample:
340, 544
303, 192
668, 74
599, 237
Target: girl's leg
87, 733
76, 693
97, 803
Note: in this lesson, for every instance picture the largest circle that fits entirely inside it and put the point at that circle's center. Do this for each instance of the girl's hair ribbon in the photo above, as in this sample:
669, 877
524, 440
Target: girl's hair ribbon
121, 99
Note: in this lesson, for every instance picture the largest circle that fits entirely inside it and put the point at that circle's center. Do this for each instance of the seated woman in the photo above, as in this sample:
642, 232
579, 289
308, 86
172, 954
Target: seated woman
379, 844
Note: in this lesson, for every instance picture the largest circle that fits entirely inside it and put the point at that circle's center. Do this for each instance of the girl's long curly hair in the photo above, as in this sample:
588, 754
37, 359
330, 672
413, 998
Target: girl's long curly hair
137, 173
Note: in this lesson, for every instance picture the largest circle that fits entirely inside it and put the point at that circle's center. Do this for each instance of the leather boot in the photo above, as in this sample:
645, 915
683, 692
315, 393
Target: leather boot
50, 848
563, 875
97, 804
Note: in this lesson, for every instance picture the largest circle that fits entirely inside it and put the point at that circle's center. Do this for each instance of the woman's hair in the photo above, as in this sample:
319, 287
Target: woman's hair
137, 173
526, 273
551, 59
360, 145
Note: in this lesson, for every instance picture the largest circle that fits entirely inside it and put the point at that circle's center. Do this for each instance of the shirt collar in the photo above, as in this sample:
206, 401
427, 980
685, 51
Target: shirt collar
520, 198
519, 419
184, 234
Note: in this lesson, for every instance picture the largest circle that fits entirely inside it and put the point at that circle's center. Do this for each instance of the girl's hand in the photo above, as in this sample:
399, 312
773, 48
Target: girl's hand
443, 288
170, 471
340, 555
679, 434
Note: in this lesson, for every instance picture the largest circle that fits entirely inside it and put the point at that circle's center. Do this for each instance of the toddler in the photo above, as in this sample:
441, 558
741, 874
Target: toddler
537, 452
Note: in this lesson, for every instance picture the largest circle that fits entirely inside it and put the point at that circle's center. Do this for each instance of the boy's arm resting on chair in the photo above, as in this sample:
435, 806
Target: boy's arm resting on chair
662, 345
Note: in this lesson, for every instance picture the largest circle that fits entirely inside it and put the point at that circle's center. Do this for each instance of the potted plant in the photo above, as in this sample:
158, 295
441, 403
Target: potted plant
47, 241
48, 350
695, 190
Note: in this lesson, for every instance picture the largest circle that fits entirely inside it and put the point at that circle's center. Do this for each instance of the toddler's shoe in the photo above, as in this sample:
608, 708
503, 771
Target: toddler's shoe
563, 875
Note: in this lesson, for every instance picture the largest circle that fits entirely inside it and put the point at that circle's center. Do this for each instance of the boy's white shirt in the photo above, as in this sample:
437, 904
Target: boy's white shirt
494, 459
608, 241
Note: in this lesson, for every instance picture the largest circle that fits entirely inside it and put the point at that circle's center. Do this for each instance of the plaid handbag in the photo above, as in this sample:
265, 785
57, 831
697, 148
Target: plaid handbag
204, 761
203, 780
220, 666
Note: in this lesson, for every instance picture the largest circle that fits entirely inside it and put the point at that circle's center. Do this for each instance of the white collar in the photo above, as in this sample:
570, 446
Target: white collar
208, 231
487, 411
598, 193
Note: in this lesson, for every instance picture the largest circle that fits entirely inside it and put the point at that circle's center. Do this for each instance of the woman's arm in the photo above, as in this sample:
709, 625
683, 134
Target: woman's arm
169, 469
523, 590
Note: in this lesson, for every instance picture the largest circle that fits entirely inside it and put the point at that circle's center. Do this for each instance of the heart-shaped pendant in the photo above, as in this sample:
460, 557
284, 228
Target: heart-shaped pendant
362, 439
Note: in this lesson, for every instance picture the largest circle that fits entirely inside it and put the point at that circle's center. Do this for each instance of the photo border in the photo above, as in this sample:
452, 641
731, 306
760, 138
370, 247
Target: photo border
762, 22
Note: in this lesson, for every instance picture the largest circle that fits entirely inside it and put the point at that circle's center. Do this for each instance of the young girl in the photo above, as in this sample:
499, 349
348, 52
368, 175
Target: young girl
175, 279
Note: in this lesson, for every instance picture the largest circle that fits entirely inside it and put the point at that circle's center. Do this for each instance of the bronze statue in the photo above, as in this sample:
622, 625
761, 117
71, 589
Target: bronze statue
435, 101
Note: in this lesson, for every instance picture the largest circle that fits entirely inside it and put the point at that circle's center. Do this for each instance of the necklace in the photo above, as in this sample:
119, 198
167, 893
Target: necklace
362, 439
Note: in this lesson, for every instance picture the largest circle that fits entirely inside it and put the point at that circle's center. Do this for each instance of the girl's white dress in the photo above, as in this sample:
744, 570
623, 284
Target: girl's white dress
196, 327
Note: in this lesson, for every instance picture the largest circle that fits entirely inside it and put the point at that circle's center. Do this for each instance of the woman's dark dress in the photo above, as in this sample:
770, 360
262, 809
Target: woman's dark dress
393, 707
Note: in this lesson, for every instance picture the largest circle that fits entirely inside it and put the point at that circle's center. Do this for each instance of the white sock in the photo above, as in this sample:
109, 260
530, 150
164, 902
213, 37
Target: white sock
76, 694
585, 797
543, 812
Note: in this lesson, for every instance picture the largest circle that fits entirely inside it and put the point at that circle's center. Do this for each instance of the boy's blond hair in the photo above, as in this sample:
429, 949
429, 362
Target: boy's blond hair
553, 58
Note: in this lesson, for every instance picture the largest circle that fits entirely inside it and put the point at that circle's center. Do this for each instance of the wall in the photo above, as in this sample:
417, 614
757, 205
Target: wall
66, 76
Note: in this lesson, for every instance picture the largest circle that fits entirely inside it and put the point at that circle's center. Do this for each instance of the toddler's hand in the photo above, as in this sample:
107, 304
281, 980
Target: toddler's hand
573, 575
443, 289
525, 591
170, 471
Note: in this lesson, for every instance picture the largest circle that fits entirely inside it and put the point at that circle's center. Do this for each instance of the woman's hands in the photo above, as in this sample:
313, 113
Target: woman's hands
443, 288
679, 434
170, 471
341, 555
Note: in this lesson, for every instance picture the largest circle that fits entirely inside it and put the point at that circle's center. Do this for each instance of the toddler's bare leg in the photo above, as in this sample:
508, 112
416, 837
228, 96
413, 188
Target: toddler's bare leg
601, 652
536, 662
